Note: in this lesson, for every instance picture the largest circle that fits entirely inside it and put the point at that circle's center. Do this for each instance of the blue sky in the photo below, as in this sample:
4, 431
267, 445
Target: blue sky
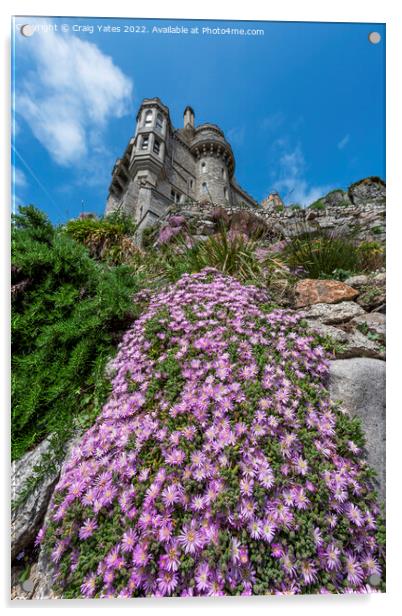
303, 105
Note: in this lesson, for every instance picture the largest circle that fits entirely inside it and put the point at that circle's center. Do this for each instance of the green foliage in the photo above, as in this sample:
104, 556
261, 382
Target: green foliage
371, 255
66, 322
377, 230
317, 205
149, 236
339, 274
229, 252
321, 253
107, 238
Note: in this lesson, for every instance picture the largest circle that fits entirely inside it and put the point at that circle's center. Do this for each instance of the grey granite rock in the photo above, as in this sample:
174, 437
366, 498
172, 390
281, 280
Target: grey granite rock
373, 322
357, 281
351, 343
26, 519
331, 314
360, 384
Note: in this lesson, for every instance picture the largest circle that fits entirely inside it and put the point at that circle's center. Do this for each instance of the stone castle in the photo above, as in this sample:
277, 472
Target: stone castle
163, 165
190, 171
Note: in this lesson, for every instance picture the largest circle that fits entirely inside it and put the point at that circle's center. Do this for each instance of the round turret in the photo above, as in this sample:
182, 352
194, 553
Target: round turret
215, 163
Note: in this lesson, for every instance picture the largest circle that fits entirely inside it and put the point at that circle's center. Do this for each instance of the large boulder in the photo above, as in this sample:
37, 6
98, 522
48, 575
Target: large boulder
334, 313
358, 281
311, 291
369, 190
349, 342
371, 323
27, 518
360, 384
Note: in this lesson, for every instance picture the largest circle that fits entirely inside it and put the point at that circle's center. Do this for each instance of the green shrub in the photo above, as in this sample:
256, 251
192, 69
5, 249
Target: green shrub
317, 205
108, 238
229, 252
371, 255
67, 315
321, 253
149, 236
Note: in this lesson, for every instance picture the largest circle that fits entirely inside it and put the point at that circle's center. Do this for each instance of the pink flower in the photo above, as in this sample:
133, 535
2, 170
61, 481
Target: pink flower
172, 557
140, 555
128, 540
88, 528
353, 569
332, 555
309, 572
202, 576
89, 585
167, 582
190, 538
354, 514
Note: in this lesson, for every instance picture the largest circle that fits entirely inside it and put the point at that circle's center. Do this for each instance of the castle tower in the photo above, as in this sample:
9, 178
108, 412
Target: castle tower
215, 164
163, 166
149, 151
188, 119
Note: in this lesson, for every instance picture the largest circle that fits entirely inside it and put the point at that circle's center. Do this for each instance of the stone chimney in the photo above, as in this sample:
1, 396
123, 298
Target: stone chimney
188, 119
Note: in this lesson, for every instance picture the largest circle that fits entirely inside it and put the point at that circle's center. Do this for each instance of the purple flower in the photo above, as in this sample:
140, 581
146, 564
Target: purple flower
88, 528
353, 570
190, 538
89, 585
332, 556
202, 577
218, 436
167, 582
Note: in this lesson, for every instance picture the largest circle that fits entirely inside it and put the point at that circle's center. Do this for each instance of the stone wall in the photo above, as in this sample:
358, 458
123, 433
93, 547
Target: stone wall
360, 210
367, 220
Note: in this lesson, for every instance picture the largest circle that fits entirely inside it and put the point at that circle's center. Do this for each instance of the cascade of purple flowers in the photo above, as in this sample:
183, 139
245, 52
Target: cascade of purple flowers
216, 462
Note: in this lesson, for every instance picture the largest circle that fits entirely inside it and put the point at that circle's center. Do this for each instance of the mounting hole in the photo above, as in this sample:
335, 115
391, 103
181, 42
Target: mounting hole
374, 38
27, 29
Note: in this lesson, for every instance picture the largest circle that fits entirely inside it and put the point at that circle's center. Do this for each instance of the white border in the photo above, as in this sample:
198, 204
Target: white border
286, 10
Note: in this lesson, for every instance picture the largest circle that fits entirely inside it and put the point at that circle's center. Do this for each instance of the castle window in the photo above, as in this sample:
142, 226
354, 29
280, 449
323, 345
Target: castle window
223, 173
145, 142
191, 183
148, 118
159, 121
175, 196
157, 146
204, 188
226, 193
203, 167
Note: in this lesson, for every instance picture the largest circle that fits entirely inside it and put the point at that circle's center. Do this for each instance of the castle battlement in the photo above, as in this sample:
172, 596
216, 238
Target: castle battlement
162, 165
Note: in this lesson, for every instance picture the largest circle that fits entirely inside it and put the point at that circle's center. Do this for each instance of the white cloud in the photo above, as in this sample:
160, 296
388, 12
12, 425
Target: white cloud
343, 142
71, 93
273, 121
19, 178
290, 180
236, 135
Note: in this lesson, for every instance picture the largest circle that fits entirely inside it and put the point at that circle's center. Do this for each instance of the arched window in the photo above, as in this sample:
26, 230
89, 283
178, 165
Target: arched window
204, 188
148, 118
203, 167
159, 121
226, 193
